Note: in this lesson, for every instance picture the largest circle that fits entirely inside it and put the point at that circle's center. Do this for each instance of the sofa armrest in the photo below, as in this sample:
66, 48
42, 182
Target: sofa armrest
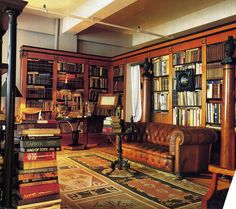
192, 135
191, 147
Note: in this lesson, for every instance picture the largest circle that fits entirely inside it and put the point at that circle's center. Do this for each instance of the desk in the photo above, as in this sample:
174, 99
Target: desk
120, 163
74, 123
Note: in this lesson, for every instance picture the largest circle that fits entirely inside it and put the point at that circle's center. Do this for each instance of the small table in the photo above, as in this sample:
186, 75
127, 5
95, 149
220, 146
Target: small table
75, 145
120, 163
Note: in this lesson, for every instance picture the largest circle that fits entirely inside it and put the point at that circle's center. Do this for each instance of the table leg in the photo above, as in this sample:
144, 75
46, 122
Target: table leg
119, 150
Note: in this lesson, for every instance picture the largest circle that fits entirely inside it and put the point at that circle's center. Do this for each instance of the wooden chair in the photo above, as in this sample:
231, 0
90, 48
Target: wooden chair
216, 171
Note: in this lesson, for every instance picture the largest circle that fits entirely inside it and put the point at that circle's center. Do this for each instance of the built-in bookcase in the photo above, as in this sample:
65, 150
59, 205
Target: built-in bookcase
70, 86
98, 82
160, 85
187, 87
215, 54
118, 85
39, 85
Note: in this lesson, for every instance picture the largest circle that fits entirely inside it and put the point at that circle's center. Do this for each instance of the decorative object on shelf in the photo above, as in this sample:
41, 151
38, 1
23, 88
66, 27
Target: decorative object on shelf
185, 80
147, 68
229, 51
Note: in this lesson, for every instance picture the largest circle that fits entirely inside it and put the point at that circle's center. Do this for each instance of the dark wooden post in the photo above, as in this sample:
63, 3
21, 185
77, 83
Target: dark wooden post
10, 110
227, 156
146, 92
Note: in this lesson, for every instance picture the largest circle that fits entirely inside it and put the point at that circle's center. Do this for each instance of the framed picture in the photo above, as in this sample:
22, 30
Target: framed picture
107, 101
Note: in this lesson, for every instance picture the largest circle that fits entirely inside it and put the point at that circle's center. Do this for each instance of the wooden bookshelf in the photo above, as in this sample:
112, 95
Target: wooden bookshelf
39, 85
118, 81
57, 81
187, 64
160, 84
70, 87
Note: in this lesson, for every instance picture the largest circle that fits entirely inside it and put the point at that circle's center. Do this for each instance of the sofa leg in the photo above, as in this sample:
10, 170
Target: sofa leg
179, 176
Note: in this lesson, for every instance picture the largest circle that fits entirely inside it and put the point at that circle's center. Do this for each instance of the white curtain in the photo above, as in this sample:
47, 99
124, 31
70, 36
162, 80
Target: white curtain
136, 92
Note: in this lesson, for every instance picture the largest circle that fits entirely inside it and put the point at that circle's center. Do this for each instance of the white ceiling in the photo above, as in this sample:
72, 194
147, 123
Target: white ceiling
139, 21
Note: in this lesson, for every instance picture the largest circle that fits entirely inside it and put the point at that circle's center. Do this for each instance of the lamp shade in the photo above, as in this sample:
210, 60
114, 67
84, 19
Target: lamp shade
4, 90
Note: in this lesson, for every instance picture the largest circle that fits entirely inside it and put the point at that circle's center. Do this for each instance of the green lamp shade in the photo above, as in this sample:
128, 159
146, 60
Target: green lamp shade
4, 90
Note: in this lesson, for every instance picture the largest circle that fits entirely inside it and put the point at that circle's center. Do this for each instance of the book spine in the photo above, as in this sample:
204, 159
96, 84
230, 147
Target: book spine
36, 156
37, 199
45, 183
26, 178
37, 194
37, 164
40, 149
39, 138
39, 170
37, 189
43, 143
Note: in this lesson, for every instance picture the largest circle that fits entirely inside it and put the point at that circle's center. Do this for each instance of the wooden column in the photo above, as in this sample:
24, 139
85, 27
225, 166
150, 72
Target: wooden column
146, 99
227, 157
146, 92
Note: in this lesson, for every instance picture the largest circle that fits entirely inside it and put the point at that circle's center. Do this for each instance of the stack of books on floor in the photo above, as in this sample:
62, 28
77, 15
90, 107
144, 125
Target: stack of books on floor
37, 176
111, 124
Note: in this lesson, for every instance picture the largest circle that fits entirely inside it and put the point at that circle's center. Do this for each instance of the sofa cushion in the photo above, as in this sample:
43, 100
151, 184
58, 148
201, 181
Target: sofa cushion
149, 148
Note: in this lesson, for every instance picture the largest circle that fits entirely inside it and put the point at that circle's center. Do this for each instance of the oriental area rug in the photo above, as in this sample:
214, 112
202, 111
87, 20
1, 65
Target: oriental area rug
84, 184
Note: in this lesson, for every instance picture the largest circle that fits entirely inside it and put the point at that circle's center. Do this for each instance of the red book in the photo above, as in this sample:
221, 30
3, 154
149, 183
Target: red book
36, 194
36, 156
39, 188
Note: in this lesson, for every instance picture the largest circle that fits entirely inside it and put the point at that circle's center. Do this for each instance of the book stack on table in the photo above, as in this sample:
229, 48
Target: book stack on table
37, 175
111, 124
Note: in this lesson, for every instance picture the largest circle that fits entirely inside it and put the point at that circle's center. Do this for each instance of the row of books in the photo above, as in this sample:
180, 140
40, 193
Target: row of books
37, 171
214, 89
93, 94
190, 55
161, 84
44, 105
36, 78
70, 67
189, 98
161, 65
214, 111
198, 82
76, 83
40, 65
187, 116
118, 85
111, 124
160, 101
197, 67
215, 52
95, 70
118, 70
95, 82
38, 92
214, 71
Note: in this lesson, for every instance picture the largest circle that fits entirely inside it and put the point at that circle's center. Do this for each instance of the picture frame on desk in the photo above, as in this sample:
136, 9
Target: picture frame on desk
107, 101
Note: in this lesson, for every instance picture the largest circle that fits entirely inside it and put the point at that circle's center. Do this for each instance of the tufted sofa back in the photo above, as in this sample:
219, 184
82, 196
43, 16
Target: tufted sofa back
158, 133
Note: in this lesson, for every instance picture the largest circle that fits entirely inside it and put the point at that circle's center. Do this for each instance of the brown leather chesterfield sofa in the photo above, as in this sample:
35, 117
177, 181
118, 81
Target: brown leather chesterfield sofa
171, 148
